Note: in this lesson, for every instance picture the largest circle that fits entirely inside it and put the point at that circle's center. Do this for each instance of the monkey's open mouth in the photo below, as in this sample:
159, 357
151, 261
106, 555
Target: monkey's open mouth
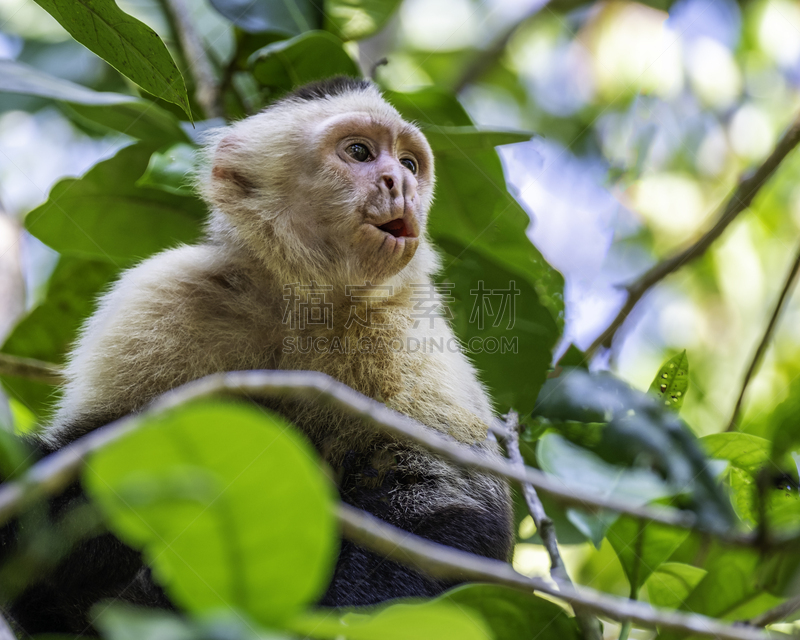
398, 228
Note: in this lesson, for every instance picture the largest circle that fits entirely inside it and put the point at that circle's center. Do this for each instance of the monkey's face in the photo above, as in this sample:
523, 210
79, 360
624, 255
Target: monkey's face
376, 173
335, 190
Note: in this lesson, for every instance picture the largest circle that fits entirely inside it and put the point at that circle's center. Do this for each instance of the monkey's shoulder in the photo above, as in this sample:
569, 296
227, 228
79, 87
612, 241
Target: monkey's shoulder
175, 317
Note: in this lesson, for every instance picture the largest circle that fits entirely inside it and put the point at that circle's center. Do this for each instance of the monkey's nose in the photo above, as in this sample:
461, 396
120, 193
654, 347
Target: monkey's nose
389, 182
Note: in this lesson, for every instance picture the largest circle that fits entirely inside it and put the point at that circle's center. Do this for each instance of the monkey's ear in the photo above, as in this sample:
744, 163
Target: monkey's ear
225, 169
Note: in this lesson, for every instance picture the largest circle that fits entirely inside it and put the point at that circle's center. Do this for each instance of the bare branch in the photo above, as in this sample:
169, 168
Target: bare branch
58, 469
31, 369
451, 564
741, 198
206, 90
484, 60
544, 525
776, 614
762, 347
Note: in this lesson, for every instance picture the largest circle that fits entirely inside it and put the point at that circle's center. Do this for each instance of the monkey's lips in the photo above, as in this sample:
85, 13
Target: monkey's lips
398, 228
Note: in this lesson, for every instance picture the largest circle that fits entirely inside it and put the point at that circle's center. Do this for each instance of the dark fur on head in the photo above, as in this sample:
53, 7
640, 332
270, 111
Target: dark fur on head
330, 88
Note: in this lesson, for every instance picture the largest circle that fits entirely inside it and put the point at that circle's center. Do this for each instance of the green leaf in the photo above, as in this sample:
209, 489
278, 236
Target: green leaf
459, 139
502, 324
743, 487
124, 622
642, 547
289, 17
17, 77
640, 432
587, 473
140, 119
511, 614
429, 621
171, 170
731, 590
430, 107
132, 116
357, 19
229, 504
49, 329
311, 56
127, 44
672, 381
669, 585
744, 451
105, 215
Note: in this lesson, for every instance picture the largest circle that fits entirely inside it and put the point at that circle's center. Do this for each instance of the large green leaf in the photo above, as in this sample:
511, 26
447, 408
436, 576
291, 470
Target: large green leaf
127, 44
639, 432
733, 588
357, 19
229, 505
310, 56
743, 451
105, 215
502, 324
587, 473
512, 615
669, 585
642, 547
129, 115
473, 206
124, 622
428, 621
17, 77
458, 139
139, 119
289, 17
49, 329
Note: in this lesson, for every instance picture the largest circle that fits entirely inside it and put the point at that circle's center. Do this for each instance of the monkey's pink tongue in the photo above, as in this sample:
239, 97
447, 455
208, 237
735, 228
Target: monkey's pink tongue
396, 227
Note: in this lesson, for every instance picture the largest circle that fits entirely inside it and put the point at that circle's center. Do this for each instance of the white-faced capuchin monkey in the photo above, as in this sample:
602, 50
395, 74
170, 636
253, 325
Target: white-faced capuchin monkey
323, 196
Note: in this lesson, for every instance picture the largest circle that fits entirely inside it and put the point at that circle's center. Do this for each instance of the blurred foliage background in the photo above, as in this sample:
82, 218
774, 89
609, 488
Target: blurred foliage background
643, 115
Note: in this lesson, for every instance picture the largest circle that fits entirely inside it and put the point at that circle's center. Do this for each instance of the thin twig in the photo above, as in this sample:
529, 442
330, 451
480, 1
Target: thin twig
738, 202
484, 60
206, 89
448, 563
55, 471
29, 368
544, 525
776, 614
762, 346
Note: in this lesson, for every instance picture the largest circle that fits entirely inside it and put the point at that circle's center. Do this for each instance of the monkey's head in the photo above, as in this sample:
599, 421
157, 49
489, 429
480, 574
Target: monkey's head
327, 184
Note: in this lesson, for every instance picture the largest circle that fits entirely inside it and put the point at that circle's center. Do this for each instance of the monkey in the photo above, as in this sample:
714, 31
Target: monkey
324, 195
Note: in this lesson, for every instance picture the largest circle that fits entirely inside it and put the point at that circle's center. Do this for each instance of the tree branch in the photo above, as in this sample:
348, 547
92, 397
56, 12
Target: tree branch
206, 90
741, 198
448, 563
762, 346
776, 614
60, 468
28, 368
484, 60
544, 525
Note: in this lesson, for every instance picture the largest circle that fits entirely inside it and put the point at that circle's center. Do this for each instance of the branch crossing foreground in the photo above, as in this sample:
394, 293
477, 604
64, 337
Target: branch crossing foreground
58, 470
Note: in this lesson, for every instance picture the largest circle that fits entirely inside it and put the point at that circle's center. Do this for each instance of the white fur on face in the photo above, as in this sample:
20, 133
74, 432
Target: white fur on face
285, 181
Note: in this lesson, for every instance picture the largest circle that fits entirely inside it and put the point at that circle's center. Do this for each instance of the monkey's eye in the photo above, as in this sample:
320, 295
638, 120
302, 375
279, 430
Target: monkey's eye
359, 152
409, 164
